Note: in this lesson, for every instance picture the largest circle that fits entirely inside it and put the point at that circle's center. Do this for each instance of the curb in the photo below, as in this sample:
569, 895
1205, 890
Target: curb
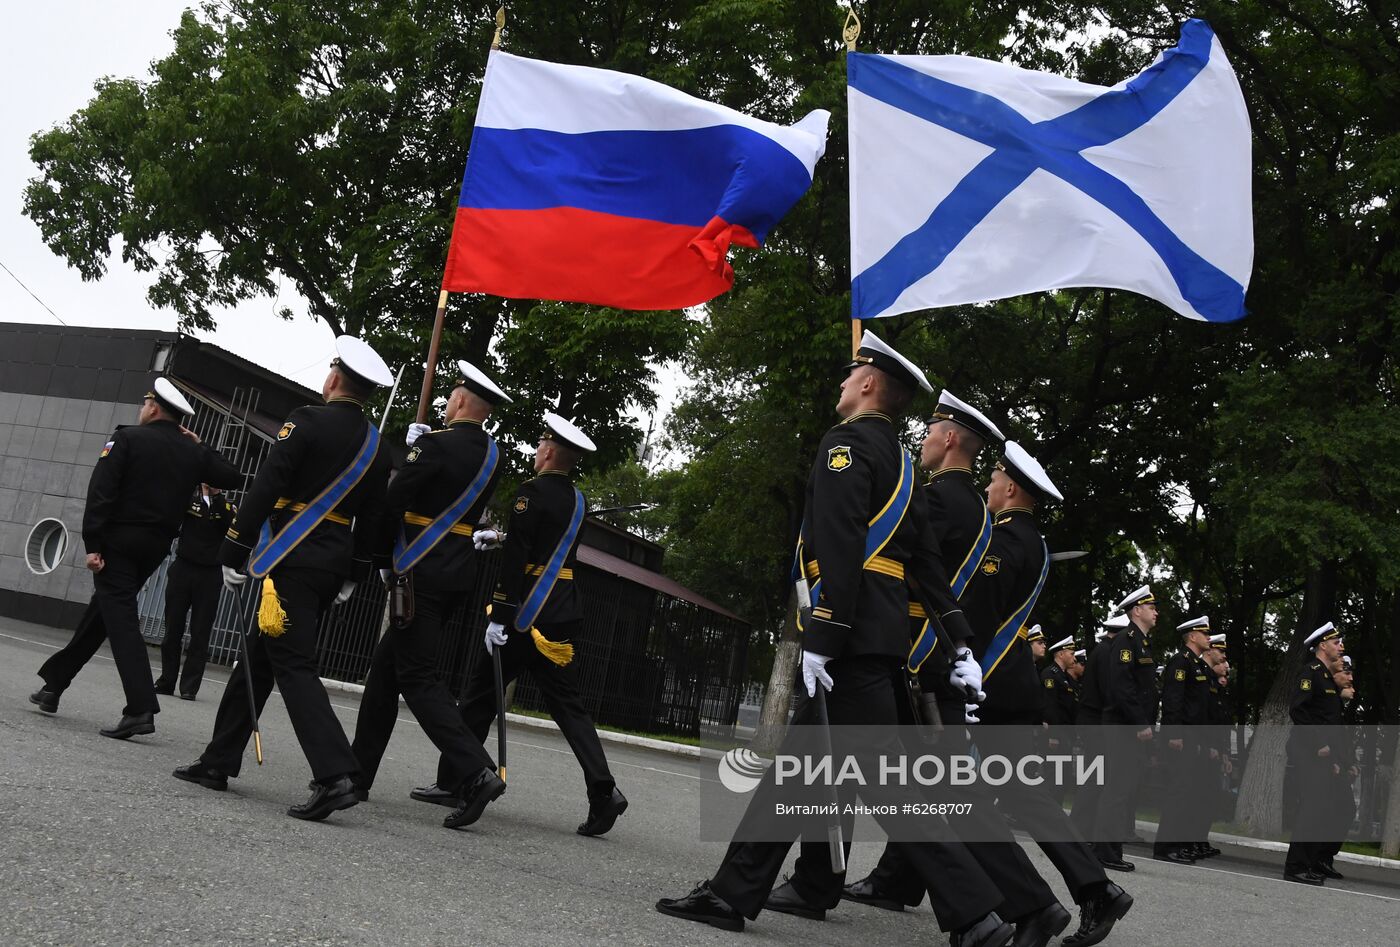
685, 750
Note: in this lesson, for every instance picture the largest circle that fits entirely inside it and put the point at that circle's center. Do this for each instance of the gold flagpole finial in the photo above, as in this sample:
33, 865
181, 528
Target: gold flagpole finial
500, 25
850, 32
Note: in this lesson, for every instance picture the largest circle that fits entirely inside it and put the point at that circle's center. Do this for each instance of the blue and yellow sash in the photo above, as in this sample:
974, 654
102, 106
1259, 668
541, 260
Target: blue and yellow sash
273, 549
924, 641
882, 529
539, 594
407, 555
1010, 629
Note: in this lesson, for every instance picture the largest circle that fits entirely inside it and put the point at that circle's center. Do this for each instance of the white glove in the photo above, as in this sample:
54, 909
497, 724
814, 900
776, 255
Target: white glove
495, 636
486, 539
814, 670
233, 579
970, 713
416, 430
967, 673
347, 589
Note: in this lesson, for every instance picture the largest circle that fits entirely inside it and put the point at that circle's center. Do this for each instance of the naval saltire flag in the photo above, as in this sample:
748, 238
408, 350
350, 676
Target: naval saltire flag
593, 186
974, 180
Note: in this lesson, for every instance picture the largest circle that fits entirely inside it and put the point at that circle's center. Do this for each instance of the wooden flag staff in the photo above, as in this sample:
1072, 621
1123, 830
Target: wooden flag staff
425, 397
850, 32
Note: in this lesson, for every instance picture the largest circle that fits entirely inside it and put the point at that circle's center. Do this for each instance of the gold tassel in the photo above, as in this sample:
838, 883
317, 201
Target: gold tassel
272, 617
560, 652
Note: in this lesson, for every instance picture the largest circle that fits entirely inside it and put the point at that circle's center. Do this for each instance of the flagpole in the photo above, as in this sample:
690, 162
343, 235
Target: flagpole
425, 397
850, 32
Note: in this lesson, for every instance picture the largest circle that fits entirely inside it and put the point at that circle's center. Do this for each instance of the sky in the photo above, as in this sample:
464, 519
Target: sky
51, 53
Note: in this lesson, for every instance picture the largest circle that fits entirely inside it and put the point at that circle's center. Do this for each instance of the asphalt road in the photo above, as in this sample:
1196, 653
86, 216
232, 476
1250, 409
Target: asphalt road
100, 845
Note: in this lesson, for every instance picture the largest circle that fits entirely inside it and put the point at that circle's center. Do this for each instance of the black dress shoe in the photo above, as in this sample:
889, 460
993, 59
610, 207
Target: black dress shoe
705, 906
45, 699
865, 892
438, 797
130, 726
785, 900
603, 813
206, 776
1209, 851
1098, 914
1043, 926
991, 931
165, 690
1117, 864
483, 790
1178, 857
1303, 878
187, 697
327, 796
1327, 871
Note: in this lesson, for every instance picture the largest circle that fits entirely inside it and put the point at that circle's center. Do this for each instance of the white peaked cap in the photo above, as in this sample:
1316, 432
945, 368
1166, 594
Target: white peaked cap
1217, 640
1021, 467
873, 351
1202, 623
1063, 643
359, 359
1326, 631
1142, 595
165, 392
1081, 654
475, 380
953, 408
1117, 621
563, 430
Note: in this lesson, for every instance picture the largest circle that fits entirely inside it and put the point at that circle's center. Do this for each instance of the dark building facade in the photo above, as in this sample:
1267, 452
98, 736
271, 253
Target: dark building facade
653, 655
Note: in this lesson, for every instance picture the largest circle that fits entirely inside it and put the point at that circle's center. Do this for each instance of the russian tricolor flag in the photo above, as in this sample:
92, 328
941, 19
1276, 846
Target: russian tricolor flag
592, 186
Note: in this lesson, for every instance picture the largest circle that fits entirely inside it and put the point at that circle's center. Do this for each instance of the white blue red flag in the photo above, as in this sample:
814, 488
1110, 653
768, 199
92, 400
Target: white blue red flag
974, 180
592, 186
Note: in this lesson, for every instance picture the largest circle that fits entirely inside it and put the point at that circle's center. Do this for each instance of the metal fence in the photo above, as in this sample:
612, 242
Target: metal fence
646, 660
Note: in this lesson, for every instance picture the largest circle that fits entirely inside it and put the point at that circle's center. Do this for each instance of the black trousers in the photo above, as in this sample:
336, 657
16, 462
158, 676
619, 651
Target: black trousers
1314, 793
995, 848
1126, 758
112, 615
561, 697
1343, 809
406, 662
1179, 824
1087, 799
192, 590
290, 660
961, 891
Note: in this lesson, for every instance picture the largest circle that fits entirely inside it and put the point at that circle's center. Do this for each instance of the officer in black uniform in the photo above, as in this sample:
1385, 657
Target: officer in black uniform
956, 433
1313, 767
1036, 641
316, 449
1128, 716
854, 644
1342, 808
445, 469
540, 518
1221, 716
192, 587
998, 603
1186, 684
1059, 695
1088, 718
135, 499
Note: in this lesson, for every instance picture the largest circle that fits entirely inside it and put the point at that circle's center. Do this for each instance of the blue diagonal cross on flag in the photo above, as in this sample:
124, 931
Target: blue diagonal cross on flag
974, 180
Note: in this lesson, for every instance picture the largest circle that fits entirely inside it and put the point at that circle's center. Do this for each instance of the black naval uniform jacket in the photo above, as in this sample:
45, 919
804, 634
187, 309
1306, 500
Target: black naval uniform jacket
1057, 696
312, 448
1221, 715
1006, 579
1186, 684
203, 528
955, 513
141, 481
538, 518
1316, 704
439, 468
1094, 696
1129, 696
863, 610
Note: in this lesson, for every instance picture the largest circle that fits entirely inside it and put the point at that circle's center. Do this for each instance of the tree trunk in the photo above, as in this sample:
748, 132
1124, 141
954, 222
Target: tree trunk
772, 721
1260, 805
